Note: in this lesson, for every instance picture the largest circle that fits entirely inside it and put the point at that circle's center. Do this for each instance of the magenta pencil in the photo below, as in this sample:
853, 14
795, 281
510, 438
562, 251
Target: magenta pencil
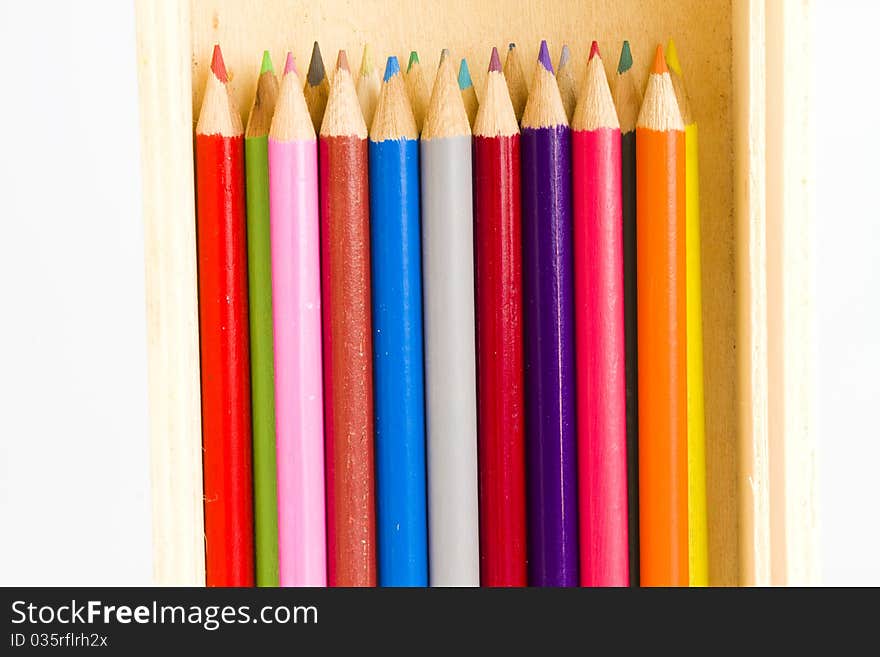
599, 333
296, 298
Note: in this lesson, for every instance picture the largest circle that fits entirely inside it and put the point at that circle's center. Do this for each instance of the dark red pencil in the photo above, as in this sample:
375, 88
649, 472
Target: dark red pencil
223, 335
501, 412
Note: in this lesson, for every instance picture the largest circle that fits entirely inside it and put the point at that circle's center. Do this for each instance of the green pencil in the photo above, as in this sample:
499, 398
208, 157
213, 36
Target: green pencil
260, 292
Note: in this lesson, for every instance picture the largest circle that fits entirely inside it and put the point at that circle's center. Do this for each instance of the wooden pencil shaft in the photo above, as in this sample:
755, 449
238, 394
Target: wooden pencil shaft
226, 421
261, 353
663, 508
348, 363
628, 195
296, 291
450, 368
498, 240
549, 333
397, 362
698, 538
600, 346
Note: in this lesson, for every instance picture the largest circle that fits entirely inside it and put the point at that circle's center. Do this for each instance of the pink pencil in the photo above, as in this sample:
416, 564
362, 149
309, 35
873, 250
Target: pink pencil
599, 337
296, 300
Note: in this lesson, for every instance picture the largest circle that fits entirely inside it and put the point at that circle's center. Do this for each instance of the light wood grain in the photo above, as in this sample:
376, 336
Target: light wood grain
777, 533
164, 74
794, 539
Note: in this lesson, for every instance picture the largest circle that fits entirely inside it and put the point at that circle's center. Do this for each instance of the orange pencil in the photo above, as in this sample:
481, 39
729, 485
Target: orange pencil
660, 234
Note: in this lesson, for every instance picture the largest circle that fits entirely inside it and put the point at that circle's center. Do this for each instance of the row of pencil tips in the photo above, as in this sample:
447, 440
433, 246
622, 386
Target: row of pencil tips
368, 82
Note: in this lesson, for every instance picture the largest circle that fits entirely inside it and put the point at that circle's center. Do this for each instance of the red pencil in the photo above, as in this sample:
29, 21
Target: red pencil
599, 337
223, 334
501, 406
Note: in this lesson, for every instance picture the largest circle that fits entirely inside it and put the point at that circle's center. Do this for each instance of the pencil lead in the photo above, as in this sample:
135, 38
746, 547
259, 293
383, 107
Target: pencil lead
413, 59
464, 76
565, 55
544, 57
266, 66
672, 57
316, 67
444, 55
495, 61
511, 45
342, 61
367, 60
392, 68
659, 62
218, 66
594, 50
626, 59
290, 64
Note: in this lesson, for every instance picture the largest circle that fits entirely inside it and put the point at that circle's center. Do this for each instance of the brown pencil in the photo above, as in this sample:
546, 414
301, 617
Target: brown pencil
348, 368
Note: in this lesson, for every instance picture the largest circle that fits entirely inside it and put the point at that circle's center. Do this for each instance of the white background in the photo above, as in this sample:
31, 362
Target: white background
74, 492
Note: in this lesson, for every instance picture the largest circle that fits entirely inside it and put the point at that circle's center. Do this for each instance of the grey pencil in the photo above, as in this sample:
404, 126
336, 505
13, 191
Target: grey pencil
450, 354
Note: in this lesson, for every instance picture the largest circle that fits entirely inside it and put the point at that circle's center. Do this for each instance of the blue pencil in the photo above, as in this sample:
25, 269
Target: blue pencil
397, 337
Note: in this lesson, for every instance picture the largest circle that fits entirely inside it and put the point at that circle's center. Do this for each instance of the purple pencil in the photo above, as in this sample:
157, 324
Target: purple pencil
549, 333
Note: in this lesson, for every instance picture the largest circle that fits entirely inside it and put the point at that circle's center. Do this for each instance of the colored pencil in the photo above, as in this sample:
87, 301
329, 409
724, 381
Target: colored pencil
417, 89
317, 88
565, 80
296, 296
397, 338
368, 85
500, 385
549, 332
256, 145
660, 162
348, 359
223, 335
468, 94
599, 337
698, 539
516, 81
628, 100
450, 367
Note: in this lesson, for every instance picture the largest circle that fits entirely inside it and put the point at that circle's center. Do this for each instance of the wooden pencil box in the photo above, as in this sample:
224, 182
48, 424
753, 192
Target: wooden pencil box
746, 63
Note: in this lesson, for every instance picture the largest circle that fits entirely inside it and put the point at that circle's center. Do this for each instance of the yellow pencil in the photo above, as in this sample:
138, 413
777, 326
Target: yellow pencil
698, 537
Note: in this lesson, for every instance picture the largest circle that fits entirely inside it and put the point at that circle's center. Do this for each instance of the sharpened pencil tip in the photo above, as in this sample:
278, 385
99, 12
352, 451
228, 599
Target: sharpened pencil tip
495, 61
464, 76
594, 50
218, 66
511, 45
659, 62
316, 67
544, 57
367, 60
565, 55
444, 55
413, 59
626, 59
266, 66
392, 68
290, 64
672, 57
342, 61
